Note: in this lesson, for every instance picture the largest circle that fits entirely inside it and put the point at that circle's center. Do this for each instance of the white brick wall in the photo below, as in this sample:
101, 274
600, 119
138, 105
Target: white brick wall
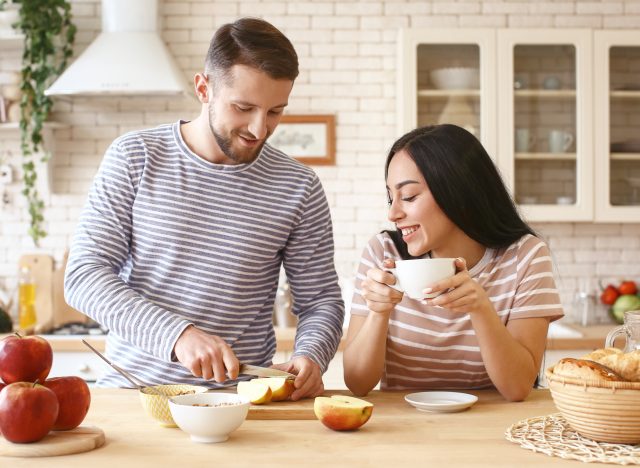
348, 58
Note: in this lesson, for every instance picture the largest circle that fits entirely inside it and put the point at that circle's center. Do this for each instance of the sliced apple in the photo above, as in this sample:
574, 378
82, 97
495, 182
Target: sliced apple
257, 392
281, 387
342, 412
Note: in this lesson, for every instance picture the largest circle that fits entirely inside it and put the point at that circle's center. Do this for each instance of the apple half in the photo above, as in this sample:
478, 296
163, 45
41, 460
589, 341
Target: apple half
257, 392
281, 387
342, 412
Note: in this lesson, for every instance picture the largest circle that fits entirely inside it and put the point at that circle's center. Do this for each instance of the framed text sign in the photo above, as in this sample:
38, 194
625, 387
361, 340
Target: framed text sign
308, 138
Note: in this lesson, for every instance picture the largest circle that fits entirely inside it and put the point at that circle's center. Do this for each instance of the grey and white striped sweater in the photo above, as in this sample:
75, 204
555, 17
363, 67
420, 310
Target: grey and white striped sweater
167, 239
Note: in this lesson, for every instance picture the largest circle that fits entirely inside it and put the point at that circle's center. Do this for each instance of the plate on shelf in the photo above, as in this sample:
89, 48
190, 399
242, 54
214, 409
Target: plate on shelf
441, 402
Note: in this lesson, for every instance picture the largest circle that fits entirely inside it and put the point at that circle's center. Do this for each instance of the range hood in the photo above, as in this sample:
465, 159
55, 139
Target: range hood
128, 58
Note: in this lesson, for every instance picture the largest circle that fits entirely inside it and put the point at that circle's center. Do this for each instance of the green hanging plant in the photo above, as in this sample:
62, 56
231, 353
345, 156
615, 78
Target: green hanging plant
48, 44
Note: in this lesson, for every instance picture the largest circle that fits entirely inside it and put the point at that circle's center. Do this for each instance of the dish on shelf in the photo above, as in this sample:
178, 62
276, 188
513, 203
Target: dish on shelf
455, 78
441, 402
627, 146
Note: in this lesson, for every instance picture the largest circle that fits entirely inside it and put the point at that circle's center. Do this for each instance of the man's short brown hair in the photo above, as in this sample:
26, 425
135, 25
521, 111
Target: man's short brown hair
255, 43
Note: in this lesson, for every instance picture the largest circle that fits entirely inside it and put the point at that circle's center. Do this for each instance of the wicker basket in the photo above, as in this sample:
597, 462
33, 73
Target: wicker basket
599, 410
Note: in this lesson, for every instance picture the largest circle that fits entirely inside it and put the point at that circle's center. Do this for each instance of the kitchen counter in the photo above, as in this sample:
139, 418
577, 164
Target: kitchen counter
592, 338
396, 435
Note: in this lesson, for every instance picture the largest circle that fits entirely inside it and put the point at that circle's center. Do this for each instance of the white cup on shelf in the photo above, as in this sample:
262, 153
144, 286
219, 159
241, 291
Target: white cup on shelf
560, 141
523, 140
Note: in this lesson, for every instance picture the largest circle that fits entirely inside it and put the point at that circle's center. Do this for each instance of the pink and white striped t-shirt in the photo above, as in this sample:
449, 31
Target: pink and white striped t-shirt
431, 347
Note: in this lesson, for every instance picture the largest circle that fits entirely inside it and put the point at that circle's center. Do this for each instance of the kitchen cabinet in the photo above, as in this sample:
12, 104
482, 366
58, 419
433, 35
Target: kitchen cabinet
72, 357
545, 109
430, 60
557, 109
617, 120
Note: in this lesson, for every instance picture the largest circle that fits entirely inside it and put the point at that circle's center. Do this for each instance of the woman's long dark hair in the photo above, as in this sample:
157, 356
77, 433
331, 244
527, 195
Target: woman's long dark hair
464, 182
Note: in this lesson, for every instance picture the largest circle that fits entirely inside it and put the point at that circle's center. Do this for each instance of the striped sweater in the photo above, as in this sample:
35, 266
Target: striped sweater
431, 347
167, 239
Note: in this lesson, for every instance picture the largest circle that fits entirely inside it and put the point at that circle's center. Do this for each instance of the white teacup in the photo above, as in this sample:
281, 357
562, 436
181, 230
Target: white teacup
560, 141
413, 276
524, 141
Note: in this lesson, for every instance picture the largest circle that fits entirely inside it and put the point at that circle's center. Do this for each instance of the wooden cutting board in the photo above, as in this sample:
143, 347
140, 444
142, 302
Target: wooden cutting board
41, 266
301, 409
63, 312
78, 440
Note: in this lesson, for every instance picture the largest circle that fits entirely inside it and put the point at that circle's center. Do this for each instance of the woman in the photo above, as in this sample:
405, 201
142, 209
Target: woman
489, 324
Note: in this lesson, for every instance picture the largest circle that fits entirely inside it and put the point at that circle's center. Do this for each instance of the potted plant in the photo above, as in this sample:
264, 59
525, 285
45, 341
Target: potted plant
48, 40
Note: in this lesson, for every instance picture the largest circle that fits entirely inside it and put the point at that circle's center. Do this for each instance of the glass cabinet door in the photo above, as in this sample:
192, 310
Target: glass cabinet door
545, 117
617, 64
448, 76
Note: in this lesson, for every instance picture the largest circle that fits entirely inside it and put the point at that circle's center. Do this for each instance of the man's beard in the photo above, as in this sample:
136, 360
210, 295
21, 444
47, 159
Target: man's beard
225, 145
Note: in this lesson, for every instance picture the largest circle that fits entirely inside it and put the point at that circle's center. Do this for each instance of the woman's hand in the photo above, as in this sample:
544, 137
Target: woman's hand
463, 294
377, 292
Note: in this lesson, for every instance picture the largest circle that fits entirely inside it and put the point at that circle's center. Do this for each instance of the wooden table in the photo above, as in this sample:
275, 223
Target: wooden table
396, 435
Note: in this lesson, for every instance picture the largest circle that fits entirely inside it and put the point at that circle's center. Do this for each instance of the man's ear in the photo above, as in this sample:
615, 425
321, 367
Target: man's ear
201, 86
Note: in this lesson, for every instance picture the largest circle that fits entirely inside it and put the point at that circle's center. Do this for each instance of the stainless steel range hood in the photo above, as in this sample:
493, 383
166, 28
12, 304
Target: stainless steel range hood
127, 58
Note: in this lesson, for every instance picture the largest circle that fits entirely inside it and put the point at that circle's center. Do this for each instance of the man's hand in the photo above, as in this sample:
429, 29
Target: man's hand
206, 355
308, 382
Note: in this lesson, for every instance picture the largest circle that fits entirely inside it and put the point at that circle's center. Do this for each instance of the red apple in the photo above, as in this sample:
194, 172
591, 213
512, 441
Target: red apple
25, 359
74, 398
342, 412
27, 412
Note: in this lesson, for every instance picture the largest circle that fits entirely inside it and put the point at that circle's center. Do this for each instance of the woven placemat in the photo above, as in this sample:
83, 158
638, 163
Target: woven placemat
553, 436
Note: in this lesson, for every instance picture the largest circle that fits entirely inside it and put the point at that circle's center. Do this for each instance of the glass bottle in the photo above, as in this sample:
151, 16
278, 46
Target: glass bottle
26, 299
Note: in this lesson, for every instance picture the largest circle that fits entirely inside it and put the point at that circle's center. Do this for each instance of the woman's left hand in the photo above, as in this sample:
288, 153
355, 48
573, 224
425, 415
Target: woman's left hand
463, 293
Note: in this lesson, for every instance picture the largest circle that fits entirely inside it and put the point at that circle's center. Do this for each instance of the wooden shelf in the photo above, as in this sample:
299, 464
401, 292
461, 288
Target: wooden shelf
445, 93
546, 93
547, 156
625, 94
625, 156
15, 126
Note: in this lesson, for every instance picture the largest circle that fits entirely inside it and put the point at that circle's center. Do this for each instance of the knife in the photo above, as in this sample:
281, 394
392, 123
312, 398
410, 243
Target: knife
264, 371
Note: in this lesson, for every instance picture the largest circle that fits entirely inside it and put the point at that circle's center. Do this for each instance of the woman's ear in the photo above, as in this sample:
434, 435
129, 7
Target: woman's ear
201, 85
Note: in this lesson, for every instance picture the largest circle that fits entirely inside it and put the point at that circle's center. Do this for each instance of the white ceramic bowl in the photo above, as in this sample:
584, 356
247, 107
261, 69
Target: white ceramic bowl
209, 424
456, 78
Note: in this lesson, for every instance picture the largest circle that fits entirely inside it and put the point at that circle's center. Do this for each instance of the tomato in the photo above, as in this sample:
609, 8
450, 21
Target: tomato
628, 287
609, 295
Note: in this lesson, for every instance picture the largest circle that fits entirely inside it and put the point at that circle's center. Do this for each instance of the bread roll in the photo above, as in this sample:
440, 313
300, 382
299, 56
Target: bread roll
625, 364
585, 370
600, 353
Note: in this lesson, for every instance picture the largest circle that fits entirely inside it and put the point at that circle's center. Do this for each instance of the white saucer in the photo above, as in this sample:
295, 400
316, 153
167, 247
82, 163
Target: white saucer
441, 402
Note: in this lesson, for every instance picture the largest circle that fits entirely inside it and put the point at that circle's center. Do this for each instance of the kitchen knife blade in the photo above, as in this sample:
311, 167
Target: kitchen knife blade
264, 371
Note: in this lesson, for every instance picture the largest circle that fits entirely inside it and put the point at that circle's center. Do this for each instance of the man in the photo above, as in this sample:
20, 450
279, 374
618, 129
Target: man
179, 248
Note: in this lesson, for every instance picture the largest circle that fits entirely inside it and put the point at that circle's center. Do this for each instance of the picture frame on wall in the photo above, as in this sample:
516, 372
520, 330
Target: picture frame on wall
308, 138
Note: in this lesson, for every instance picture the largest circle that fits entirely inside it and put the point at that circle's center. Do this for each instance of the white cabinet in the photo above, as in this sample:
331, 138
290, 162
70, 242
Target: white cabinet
85, 365
557, 109
545, 121
617, 125
448, 76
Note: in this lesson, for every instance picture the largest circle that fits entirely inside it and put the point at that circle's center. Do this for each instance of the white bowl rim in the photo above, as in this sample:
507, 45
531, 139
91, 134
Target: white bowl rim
210, 398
